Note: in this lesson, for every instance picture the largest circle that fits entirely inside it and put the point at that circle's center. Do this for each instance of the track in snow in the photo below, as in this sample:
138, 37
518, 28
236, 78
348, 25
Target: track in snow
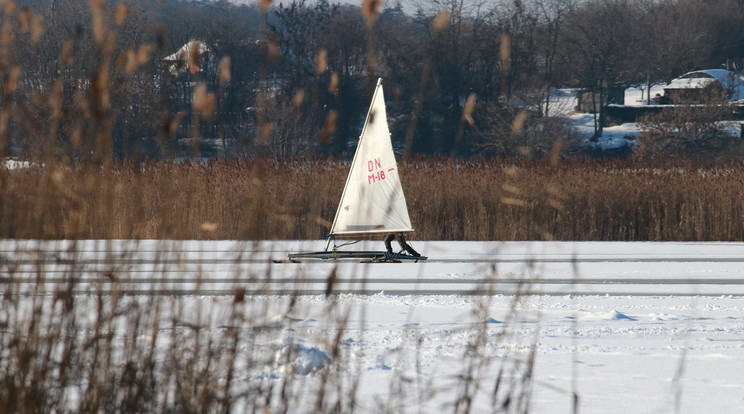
454, 268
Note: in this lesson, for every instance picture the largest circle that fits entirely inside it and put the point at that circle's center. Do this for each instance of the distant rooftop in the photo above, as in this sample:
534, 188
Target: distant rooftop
702, 78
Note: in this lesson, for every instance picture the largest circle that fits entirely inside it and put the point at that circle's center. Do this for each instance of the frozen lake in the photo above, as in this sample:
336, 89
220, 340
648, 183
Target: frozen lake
549, 327
459, 268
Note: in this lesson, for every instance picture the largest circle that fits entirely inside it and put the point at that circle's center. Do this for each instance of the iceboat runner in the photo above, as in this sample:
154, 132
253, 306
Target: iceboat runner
372, 203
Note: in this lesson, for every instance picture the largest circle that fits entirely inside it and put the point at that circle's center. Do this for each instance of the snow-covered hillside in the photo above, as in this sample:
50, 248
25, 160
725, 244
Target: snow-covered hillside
564, 103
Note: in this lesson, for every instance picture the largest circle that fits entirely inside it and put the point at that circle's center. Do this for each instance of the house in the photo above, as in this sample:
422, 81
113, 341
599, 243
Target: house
189, 58
704, 86
589, 100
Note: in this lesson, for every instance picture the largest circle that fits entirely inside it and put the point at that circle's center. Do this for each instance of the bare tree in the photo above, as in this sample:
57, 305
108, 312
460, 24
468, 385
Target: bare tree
460, 64
552, 17
602, 39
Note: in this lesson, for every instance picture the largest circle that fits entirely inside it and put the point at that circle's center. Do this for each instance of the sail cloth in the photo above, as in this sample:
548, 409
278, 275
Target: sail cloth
373, 200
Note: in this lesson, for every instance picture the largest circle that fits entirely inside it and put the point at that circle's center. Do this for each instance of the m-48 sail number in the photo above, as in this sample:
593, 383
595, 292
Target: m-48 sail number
376, 172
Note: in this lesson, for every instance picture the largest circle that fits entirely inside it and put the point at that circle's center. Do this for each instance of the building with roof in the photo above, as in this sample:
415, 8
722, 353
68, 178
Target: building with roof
705, 86
188, 59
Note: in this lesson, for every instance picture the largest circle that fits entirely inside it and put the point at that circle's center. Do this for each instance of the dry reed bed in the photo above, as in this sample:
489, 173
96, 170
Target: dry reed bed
448, 200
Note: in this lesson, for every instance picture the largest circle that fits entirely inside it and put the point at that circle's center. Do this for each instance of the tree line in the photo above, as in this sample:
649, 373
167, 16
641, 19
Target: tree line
87, 78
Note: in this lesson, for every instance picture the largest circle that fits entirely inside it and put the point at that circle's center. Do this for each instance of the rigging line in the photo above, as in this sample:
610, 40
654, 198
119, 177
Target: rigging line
335, 246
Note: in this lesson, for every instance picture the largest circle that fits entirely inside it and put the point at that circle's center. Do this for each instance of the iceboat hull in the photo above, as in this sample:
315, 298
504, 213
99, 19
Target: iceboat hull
365, 256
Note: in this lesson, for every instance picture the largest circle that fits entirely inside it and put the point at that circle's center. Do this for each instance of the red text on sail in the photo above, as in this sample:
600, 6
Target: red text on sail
376, 172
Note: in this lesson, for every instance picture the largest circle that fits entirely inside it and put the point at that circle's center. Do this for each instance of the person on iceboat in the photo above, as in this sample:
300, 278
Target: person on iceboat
402, 242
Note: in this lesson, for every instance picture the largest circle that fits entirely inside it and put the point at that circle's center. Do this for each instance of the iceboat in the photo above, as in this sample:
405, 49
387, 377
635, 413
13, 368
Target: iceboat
372, 203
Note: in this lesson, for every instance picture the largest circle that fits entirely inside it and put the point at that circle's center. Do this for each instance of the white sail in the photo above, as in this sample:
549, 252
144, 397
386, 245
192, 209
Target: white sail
373, 200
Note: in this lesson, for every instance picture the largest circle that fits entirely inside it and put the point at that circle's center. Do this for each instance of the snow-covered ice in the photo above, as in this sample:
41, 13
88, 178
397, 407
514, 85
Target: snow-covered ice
670, 348
617, 354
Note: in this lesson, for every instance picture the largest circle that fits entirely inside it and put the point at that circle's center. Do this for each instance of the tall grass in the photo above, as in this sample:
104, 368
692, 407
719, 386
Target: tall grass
447, 199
